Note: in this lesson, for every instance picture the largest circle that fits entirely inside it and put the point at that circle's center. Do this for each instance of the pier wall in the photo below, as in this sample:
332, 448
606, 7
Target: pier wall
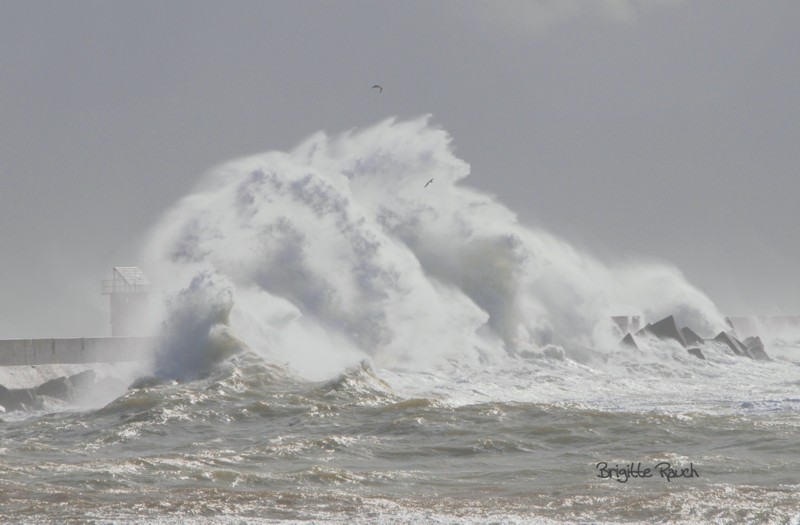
82, 350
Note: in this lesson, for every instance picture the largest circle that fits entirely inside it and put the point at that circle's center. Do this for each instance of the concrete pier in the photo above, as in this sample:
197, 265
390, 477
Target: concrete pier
32, 370
83, 350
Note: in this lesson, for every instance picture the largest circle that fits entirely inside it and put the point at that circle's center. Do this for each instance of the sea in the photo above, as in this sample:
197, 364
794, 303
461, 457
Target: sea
340, 342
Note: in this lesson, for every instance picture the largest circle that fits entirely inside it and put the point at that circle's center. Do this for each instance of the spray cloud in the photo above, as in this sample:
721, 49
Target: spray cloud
337, 250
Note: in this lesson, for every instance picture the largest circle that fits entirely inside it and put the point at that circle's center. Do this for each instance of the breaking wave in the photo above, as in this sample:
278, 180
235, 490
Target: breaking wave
339, 251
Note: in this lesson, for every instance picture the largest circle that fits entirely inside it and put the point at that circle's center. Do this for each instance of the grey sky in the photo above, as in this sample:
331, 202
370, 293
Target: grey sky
667, 130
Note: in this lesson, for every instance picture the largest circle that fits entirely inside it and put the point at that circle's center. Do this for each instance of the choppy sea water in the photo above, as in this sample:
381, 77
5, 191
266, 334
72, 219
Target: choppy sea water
515, 442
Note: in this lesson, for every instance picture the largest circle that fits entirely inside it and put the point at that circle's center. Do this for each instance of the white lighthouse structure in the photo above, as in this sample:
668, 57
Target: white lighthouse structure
128, 288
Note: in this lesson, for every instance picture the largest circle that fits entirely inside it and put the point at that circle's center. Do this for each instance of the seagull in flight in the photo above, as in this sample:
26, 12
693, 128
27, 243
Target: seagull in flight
430, 181
379, 88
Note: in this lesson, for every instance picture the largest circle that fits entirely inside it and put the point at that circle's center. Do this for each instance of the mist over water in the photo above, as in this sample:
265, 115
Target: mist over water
340, 250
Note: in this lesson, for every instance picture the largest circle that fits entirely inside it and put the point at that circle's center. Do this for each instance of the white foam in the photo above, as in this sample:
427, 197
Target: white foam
337, 251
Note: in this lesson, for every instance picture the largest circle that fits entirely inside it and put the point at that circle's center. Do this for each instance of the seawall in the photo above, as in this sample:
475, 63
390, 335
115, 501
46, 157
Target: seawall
83, 350
29, 363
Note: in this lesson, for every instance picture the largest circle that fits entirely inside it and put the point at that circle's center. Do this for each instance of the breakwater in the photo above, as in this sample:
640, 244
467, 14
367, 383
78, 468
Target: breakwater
82, 350
65, 369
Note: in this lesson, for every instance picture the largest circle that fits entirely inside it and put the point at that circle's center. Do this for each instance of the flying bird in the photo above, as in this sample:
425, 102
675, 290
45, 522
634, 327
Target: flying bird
380, 88
430, 181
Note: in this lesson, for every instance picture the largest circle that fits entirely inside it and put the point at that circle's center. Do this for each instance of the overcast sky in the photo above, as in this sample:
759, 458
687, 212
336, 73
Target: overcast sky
664, 130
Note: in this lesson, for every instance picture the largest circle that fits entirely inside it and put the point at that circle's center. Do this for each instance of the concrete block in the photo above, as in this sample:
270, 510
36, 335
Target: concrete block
697, 353
755, 346
664, 329
734, 344
629, 341
690, 336
628, 323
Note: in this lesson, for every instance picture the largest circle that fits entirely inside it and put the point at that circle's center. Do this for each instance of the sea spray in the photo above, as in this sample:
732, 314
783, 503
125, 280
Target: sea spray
339, 250
195, 336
